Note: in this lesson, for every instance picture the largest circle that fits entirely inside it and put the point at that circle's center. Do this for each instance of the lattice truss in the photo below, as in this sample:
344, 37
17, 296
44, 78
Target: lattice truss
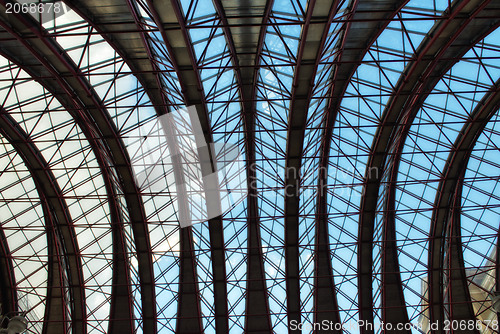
370, 137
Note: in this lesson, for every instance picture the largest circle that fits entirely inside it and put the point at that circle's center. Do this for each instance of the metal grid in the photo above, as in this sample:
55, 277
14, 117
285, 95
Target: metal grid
354, 118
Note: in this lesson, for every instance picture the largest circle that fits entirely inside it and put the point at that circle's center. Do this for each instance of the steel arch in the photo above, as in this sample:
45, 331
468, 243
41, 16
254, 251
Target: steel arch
47, 185
61, 78
421, 74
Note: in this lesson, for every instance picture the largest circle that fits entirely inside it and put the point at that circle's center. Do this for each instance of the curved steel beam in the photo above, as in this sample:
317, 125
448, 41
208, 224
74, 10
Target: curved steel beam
325, 294
121, 319
369, 19
46, 184
459, 300
47, 63
188, 305
447, 206
216, 230
246, 50
314, 34
56, 317
177, 40
8, 291
135, 49
460, 37
448, 40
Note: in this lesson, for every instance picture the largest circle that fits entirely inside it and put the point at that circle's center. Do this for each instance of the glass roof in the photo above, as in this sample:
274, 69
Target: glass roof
82, 96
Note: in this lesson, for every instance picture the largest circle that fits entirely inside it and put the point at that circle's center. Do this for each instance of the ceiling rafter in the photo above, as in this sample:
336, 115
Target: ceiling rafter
135, 49
325, 299
312, 40
448, 41
177, 39
366, 23
247, 51
188, 305
459, 302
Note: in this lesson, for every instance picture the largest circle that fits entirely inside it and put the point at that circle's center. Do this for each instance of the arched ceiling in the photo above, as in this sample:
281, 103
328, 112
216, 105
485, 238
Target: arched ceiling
361, 124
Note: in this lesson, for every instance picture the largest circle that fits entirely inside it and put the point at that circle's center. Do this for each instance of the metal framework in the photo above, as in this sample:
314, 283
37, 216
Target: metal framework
370, 136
